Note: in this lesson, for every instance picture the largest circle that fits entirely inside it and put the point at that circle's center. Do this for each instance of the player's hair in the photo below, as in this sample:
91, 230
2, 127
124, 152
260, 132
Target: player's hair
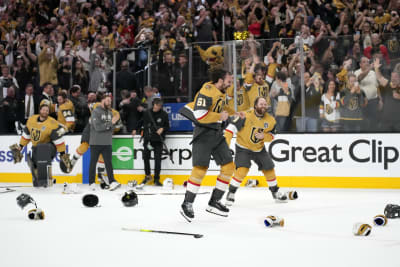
100, 96
260, 66
217, 73
257, 100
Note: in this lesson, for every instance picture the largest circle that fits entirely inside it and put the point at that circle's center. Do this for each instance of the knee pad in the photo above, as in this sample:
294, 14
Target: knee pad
240, 173
198, 174
269, 174
226, 171
83, 147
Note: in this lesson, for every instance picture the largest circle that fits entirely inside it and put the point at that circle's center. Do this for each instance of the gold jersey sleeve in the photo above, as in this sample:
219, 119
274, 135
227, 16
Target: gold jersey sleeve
252, 125
66, 115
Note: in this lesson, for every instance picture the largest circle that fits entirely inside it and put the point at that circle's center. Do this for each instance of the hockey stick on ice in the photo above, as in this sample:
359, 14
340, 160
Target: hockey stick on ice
161, 232
8, 190
168, 193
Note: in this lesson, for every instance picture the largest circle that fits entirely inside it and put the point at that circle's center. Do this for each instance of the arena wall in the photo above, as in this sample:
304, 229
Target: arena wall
302, 160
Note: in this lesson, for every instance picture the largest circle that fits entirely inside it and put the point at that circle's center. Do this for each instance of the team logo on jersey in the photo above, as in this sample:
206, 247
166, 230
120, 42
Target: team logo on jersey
266, 125
262, 91
219, 106
239, 100
253, 137
159, 120
35, 134
353, 104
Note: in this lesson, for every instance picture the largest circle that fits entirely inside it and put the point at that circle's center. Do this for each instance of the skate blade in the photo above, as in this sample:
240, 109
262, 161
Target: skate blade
229, 203
184, 216
216, 211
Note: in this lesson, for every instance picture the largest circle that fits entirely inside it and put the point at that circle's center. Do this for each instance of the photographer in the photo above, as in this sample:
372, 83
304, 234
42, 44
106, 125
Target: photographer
155, 126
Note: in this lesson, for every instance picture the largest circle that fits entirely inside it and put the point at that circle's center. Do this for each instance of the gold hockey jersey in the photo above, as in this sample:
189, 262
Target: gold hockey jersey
66, 115
255, 90
242, 100
207, 106
246, 128
44, 132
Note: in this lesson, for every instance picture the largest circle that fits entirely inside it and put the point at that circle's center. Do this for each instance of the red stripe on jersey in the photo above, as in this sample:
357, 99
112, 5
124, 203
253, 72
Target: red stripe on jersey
236, 179
202, 117
60, 144
193, 183
224, 182
229, 131
25, 138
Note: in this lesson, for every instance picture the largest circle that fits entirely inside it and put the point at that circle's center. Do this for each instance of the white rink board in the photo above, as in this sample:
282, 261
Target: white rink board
339, 155
7, 165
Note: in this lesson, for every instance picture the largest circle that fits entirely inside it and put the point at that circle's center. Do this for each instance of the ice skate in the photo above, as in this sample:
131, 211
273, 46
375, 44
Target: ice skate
217, 208
230, 198
187, 211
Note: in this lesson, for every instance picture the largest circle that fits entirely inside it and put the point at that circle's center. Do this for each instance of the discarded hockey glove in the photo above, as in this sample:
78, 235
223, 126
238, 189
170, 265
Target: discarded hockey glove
65, 163
292, 195
16, 153
24, 199
271, 221
36, 214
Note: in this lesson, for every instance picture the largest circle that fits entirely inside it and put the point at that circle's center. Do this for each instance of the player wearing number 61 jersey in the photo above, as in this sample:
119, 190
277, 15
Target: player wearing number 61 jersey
207, 113
253, 128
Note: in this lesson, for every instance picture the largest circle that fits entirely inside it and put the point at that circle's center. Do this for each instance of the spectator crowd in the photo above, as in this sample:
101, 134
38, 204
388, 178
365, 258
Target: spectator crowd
71, 48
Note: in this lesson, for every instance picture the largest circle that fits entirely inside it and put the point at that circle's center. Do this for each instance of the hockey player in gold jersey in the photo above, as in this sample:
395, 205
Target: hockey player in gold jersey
252, 131
42, 129
66, 112
242, 99
255, 84
207, 113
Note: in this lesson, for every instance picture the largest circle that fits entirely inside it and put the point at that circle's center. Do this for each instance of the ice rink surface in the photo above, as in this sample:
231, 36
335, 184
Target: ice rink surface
317, 231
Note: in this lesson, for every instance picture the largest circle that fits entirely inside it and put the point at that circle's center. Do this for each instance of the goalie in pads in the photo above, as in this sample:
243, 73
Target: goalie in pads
46, 135
253, 128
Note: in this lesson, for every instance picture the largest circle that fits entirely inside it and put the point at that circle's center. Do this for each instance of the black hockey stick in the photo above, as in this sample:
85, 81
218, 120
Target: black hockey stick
161, 232
8, 190
169, 193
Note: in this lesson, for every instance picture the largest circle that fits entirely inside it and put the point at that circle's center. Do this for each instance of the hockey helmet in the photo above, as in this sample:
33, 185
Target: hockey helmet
129, 199
90, 200
392, 211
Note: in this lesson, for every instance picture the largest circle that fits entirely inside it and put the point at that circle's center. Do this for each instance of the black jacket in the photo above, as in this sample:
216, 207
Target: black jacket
130, 115
150, 130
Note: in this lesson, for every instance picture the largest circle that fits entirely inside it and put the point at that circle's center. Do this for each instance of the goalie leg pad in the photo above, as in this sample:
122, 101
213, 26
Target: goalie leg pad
43, 155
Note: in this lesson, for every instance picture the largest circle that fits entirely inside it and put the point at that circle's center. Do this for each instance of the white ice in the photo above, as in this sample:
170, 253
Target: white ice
317, 231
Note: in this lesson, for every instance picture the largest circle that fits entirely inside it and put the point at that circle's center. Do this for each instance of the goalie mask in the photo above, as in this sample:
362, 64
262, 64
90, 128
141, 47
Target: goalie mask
392, 211
129, 199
